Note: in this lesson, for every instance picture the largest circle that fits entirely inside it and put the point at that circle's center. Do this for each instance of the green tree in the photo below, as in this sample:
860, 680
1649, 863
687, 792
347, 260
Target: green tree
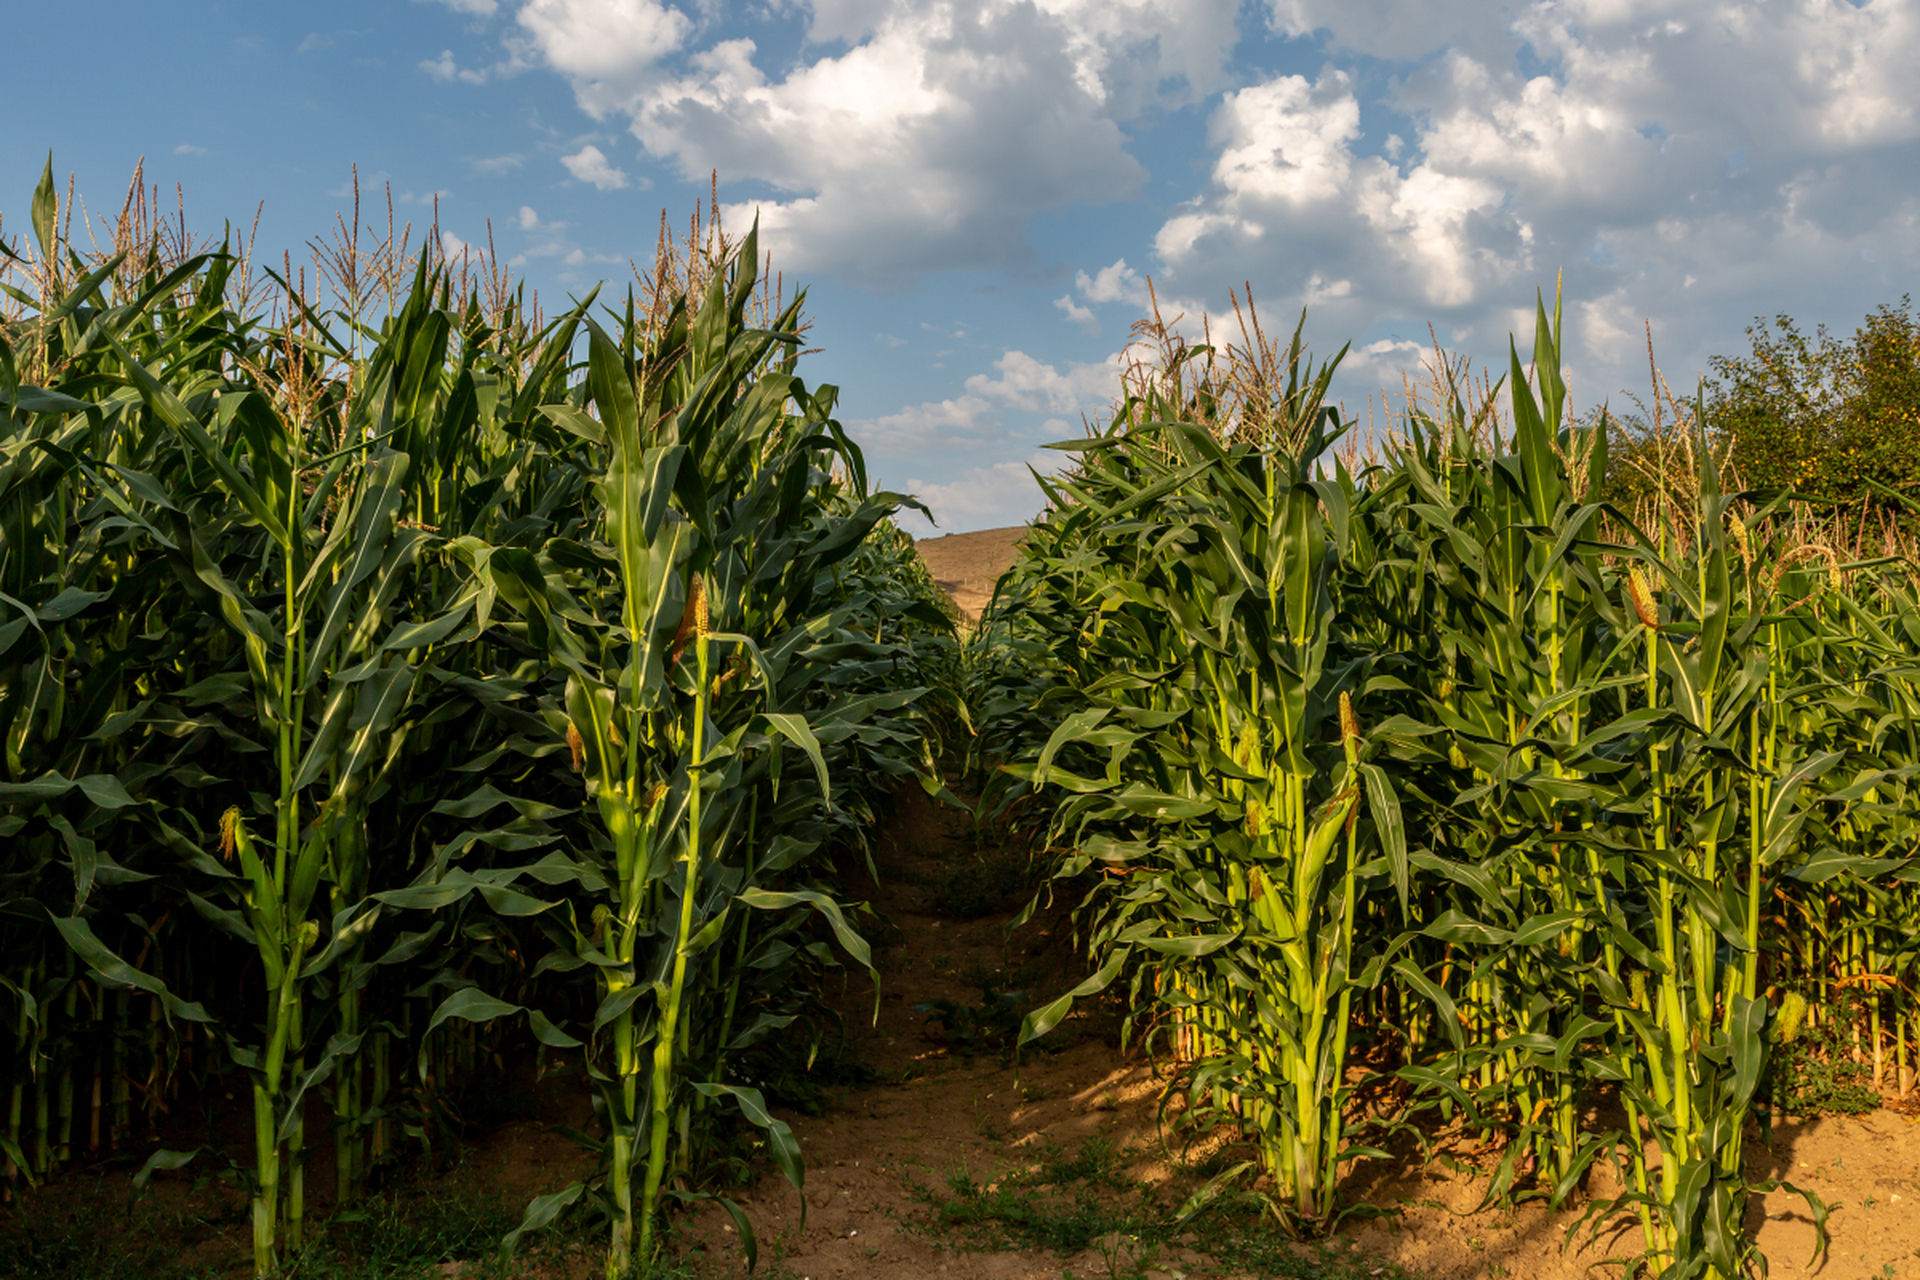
1833, 418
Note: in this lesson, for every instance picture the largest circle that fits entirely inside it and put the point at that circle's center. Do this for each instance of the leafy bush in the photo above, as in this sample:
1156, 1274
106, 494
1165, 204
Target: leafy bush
1832, 418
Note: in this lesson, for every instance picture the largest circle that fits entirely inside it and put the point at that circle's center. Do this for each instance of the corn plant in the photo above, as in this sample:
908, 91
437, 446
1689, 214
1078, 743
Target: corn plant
1230, 815
1611, 754
411, 554
680, 724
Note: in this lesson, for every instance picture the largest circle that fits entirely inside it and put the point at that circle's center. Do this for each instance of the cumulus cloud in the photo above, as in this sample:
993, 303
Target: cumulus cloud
590, 165
1395, 29
1019, 385
446, 70
1291, 193
549, 240
935, 424
927, 144
1384, 359
1082, 316
1027, 383
988, 497
922, 149
1692, 162
607, 48
1116, 283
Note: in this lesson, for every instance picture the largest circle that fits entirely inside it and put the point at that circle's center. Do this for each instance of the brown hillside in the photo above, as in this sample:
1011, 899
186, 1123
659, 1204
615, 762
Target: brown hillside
966, 565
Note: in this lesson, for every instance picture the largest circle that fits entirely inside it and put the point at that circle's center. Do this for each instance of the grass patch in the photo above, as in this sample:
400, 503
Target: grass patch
1085, 1201
101, 1237
1057, 1204
988, 1026
91, 1240
389, 1237
1814, 1074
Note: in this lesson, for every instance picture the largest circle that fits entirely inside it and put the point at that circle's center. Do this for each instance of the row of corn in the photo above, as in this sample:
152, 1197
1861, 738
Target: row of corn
391, 677
1420, 772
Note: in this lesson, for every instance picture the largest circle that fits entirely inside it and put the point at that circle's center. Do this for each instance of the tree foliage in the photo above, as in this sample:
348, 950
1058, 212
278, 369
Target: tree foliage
1833, 418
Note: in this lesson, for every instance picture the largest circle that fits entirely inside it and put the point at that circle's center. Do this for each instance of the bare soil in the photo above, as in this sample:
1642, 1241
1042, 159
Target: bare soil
880, 1154
872, 1158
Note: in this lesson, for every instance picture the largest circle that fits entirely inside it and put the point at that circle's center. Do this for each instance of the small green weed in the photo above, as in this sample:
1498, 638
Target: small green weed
971, 1029
1813, 1075
103, 1243
1074, 1202
381, 1238
1015, 1214
389, 1237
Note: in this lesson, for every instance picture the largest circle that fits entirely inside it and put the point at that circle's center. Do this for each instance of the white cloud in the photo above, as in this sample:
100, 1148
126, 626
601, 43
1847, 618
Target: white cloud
446, 70
1613, 330
990, 497
1691, 162
1289, 191
549, 239
189, 149
1027, 383
607, 48
1397, 29
975, 419
926, 144
590, 165
1082, 316
935, 424
1382, 360
453, 246
1116, 283
499, 164
1319, 289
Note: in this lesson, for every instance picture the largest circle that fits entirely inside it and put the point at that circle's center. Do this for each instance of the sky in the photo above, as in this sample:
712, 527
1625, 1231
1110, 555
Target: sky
976, 195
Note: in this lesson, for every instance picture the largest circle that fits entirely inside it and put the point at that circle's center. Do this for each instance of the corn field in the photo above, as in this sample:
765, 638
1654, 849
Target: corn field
394, 678
391, 675
1410, 768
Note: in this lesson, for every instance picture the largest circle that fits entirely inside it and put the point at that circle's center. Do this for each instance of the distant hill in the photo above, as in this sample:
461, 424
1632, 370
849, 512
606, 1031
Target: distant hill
966, 565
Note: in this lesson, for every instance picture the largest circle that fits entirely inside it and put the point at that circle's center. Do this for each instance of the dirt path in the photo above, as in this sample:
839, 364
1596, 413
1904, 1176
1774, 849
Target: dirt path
874, 1157
937, 1110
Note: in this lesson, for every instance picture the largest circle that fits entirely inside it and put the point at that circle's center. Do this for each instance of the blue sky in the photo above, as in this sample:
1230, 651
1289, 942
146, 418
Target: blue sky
974, 194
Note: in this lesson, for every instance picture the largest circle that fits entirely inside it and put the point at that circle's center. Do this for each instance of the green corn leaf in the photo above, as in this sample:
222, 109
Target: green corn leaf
796, 730
540, 1213
1046, 1018
44, 209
